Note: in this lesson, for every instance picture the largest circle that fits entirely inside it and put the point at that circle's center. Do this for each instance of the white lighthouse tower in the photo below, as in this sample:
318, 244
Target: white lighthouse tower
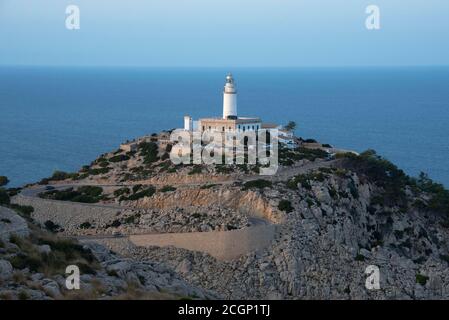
229, 99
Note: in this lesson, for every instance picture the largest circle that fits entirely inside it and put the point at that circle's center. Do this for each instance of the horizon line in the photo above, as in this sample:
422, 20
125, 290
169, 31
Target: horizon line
220, 67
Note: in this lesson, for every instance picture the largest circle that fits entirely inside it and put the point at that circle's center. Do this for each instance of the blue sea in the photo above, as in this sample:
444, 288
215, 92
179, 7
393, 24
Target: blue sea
62, 118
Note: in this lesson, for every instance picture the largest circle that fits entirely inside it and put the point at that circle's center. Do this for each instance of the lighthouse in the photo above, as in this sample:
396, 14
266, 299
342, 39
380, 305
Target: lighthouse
229, 99
230, 122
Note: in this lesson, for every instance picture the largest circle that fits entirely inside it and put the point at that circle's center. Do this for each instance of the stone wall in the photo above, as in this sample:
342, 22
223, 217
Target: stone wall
67, 214
223, 245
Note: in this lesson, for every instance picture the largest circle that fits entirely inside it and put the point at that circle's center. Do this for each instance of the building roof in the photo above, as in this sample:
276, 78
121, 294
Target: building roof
237, 121
269, 125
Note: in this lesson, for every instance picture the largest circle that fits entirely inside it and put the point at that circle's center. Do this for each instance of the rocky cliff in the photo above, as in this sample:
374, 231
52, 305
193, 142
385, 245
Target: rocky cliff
335, 219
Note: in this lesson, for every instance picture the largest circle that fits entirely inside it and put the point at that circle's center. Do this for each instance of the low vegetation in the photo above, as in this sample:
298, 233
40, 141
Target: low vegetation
63, 252
3, 181
305, 180
119, 158
167, 189
259, 184
393, 181
139, 193
421, 279
285, 205
195, 170
288, 157
148, 151
4, 197
85, 194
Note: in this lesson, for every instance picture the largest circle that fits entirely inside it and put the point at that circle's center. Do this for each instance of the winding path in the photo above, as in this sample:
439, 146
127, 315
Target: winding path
220, 244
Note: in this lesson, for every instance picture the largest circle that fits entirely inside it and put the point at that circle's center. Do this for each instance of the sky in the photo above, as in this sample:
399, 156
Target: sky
237, 33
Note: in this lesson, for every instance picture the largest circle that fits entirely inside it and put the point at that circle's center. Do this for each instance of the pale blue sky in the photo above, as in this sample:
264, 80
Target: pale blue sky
230, 33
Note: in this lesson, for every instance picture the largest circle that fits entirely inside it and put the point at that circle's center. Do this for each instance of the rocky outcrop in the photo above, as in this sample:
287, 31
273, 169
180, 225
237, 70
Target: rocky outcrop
325, 244
30, 270
12, 224
248, 203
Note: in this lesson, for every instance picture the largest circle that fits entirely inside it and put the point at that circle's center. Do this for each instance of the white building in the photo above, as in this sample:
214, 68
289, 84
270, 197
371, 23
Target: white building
231, 121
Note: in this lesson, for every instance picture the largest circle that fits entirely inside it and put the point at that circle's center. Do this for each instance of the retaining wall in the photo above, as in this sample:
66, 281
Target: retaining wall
223, 245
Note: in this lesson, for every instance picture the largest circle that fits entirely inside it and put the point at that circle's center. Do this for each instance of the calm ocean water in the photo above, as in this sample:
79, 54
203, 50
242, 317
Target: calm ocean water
62, 118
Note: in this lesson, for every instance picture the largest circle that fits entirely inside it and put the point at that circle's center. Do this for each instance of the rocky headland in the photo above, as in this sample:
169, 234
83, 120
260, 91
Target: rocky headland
143, 227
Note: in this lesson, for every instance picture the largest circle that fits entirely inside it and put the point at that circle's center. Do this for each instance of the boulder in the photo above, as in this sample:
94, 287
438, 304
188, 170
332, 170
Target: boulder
6, 270
12, 224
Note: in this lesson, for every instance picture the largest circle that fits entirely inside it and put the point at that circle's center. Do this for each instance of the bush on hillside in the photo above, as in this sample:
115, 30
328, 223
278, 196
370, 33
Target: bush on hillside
3, 181
285, 205
259, 183
119, 158
149, 152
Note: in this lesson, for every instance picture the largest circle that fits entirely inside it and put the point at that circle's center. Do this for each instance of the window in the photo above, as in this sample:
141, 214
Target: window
203, 128
253, 127
210, 127
222, 129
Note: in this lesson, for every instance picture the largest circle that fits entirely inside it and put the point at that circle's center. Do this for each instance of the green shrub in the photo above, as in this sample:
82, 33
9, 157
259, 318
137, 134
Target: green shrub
444, 257
13, 191
3, 181
121, 191
301, 179
310, 202
61, 175
382, 172
22, 261
148, 192
97, 171
23, 295
167, 189
359, 257
24, 211
195, 170
421, 279
4, 197
119, 158
259, 183
132, 219
85, 225
63, 252
165, 156
51, 226
149, 152
85, 194
102, 164
207, 186
93, 191
285, 205
439, 201
223, 169
116, 223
